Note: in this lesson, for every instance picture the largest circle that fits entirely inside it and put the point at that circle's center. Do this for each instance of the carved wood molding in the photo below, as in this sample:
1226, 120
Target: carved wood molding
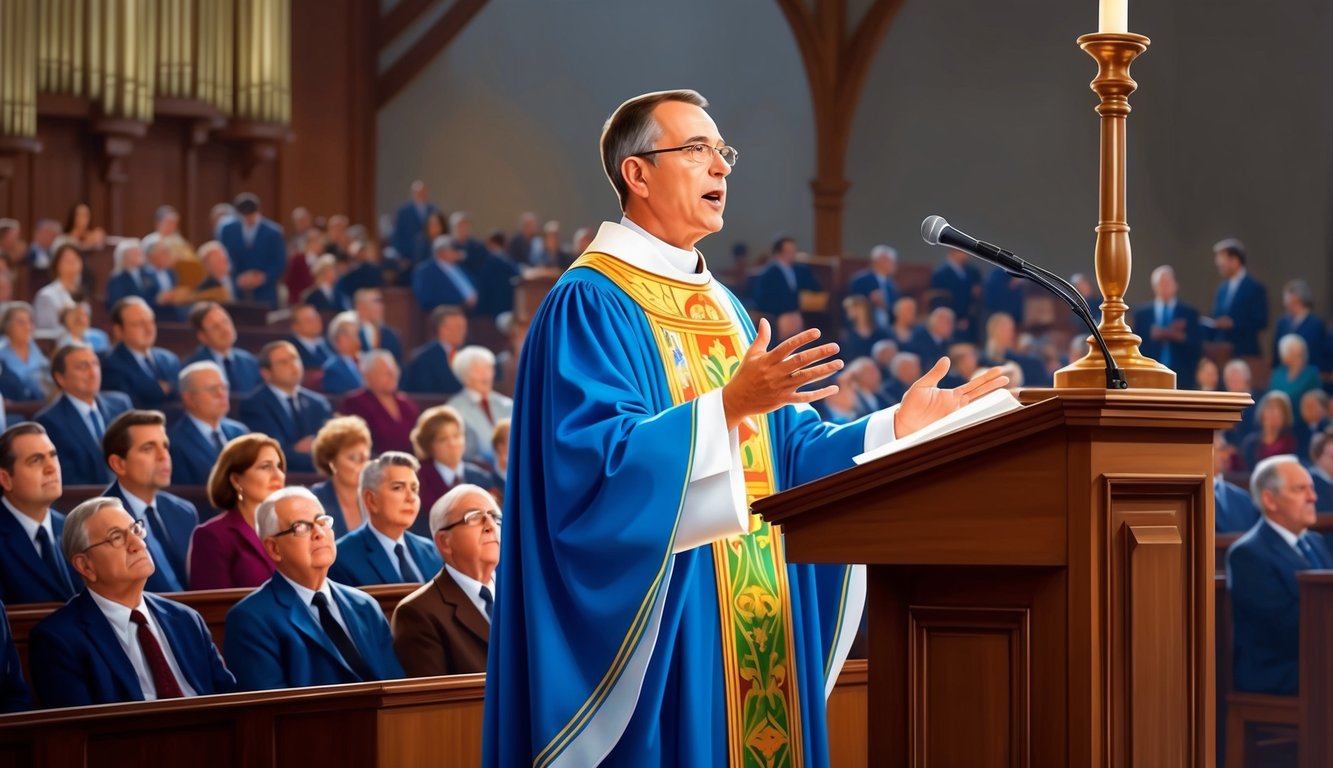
836, 64
434, 40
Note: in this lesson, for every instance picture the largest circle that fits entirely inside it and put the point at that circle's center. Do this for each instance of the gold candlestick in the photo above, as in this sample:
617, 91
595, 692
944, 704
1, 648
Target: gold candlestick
1114, 53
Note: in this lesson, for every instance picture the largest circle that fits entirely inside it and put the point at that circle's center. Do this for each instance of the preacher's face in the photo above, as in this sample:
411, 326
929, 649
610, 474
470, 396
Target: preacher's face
685, 198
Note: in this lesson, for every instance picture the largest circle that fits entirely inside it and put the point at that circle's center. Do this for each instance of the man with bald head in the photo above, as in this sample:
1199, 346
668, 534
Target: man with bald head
115, 642
300, 628
444, 627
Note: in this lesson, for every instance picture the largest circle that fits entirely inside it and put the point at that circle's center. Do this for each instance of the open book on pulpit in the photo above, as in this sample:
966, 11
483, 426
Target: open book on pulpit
997, 403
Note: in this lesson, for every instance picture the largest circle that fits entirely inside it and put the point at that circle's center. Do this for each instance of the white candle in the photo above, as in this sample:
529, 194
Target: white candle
1113, 15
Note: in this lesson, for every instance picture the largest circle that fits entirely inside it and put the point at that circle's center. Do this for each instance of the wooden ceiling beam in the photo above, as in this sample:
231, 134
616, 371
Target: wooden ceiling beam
431, 43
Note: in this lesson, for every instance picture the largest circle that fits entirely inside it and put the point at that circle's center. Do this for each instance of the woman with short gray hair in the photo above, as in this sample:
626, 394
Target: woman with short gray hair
1295, 376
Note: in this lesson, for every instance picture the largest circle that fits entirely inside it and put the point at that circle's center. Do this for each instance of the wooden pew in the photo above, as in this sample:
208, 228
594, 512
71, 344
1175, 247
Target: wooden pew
430, 721
1316, 699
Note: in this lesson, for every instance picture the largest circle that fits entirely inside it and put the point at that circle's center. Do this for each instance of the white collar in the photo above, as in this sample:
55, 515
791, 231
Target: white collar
385, 541
306, 593
634, 246
30, 526
83, 408
118, 614
1286, 535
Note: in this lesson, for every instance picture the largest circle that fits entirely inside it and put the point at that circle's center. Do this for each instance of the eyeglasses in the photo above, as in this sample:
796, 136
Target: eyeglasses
474, 516
302, 528
698, 153
118, 537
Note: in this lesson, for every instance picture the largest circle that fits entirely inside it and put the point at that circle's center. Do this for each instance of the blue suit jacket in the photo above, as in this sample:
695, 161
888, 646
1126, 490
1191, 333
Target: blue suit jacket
122, 373
180, 518
926, 347
409, 228
1183, 355
999, 296
81, 459
432, 287
316, 298
15, 389
77, 660
1312, 330
1323, 492
244, 368
1233, 509
341, 376
960, 300
14, 696
1248, 313
312, 361
124, 284
268, 254
389, 342
429, 371
866, 281
493, 276
193, 455
775, 296
362, 561
263, 412
24, 578
273, 641
1266, 609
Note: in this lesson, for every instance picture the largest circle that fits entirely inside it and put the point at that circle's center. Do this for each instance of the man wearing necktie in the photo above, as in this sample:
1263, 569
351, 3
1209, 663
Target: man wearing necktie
300, 628
77, 419
282, 408
31, 569
216, 332
114, 641
137, 452
479, 404
441, 279
199, 435
1240, 306
443, 628
383, 550
1261, 578
1171, 330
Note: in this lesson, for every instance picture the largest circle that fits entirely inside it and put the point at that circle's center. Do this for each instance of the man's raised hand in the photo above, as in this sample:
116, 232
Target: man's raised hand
768, 379
925, 402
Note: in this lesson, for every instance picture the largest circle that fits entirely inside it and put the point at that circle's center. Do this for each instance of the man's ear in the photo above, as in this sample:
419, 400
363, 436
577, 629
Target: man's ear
635, 171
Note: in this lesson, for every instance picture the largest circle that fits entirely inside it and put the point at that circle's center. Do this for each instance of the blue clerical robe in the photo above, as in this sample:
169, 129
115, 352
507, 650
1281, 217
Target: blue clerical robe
605, 646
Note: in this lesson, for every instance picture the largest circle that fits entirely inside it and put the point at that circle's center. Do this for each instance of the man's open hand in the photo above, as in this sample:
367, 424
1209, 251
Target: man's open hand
925, 402
769, 379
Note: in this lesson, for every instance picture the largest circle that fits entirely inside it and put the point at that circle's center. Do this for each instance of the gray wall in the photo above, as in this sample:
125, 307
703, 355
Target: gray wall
975, 110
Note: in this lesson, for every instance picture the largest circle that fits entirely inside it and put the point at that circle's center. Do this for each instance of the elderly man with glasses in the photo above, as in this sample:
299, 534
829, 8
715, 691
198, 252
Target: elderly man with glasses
300, 628
648, 414
444, 627
113, 641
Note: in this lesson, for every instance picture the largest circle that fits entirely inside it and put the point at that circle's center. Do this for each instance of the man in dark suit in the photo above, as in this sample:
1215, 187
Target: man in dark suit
961, 284
14, 696
199, 435
257, 249
77, 418
139, 456
1002, 292
1261, 577
341, 372
778, 290
41, 249
31, 568
383, 551
300, 628
441, 279
1233, 509
429, 369
115, 642
217, 343
443, 628
1240, 306
409, 223
308, 337
931, 341
876, 283
1298, 301
1321, 470
282, 408
134, 366
369, 306
521, 242
1170, 328
132, 276
169, 297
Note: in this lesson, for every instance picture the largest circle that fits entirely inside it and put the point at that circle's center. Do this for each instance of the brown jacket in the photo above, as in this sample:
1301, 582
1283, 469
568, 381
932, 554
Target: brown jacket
438, 631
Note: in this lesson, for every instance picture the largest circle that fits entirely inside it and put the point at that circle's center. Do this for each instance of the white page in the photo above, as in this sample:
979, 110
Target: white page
999, 402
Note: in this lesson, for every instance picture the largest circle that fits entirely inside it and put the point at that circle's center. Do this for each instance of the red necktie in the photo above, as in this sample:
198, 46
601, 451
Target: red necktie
163, 680
486, 409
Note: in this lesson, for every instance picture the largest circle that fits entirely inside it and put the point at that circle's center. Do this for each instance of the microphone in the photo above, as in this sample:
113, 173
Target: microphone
936, 231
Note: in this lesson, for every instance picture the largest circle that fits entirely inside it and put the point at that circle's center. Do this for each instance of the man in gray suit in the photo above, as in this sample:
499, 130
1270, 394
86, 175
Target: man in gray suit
479, 404
444, 627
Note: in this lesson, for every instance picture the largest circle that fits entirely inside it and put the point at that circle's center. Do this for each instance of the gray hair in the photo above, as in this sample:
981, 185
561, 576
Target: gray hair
860, 364
632, 129
882, 346
442, 243
1292, 342
469, 356
368, 359
211, 245
74, 539
953, 316
1301, 290
1239, 365
884, 251
340, 321
901, 358
1266, 477
266, 516
439, 511
457, 217
186, 377
1165, 269
372, 475
122, 248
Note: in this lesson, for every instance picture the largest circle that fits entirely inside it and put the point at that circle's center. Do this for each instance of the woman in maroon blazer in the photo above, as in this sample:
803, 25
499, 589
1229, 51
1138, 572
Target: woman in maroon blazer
388, 413
226, 552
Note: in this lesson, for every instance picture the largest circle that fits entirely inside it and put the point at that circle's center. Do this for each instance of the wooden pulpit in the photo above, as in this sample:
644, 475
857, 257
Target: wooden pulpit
1040, 585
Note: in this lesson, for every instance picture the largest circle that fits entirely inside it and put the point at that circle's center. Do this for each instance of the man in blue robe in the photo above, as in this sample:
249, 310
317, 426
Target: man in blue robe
646, 618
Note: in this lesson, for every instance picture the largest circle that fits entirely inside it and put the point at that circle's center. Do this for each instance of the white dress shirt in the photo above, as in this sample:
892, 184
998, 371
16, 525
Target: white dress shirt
390, 545
127, 632
307, 595
472, 588
30, 527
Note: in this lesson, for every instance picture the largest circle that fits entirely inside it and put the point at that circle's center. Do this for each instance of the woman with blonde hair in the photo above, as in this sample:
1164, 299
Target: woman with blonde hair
340, 449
